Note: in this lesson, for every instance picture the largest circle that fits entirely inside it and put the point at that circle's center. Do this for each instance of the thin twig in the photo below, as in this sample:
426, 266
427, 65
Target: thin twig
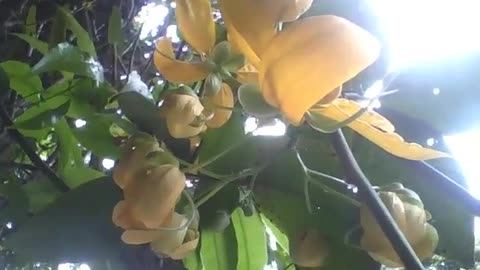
132, 57
34, 158
375, 204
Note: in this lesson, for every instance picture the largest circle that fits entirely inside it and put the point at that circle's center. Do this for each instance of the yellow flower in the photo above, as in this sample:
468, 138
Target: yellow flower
181, 111
410, 217
303, 63
194, 19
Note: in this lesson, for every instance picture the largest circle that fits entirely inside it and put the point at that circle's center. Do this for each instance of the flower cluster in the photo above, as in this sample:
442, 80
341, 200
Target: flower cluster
152, 185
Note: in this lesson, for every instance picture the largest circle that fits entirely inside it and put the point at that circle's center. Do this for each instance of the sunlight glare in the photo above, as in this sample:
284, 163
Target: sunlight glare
422, 31
108, 163
278, 128
151, 16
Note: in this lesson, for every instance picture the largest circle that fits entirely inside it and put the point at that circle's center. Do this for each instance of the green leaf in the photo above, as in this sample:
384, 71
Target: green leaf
253, 102
44, 119
31, 21
280, 237
70, 153
218, 251
22, 80
69, 58
17, 201
142, 112
115, 34
76, 176
4, 80
77, 227
34, 42
40, 193
95, 136
193, 261
58, 32
221, 53
251, 240
84, 42
88, 99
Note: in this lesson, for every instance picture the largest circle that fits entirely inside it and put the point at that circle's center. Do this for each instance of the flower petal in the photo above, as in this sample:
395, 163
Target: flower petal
181, 109
389, 141
194, 18
174, 70
122, 217
224, 98
250, 23
154, 194
189, 245
311, 58
180, 131
240, 45
167, 242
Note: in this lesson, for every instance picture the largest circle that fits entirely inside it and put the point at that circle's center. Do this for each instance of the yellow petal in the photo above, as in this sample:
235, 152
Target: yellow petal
224, 98
167, 242
250, 24
174, 70
292, 9
154, 194
248, 74
181, 109
168, 237
122, 217
309, 59
240, 45
189, 245
389, 141
194, 18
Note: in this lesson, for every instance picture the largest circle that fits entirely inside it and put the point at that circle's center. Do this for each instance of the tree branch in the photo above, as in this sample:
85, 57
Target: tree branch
375, 204
42, 166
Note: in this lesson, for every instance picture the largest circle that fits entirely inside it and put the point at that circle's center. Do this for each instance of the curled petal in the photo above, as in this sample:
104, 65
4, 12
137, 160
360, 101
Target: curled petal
180, 131
194, 18
310, 58
389, 141
190, 244
154, 194
174, 70
167, 242
224, 98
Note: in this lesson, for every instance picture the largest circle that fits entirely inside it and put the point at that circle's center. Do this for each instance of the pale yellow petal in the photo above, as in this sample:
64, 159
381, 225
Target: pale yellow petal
154, 194
250, 23
194, 18
224, 98
389, 141
309, 59
174, 70
122, 217
190, 244
167, 242
240, 45
138, 237
181, 131
181, 109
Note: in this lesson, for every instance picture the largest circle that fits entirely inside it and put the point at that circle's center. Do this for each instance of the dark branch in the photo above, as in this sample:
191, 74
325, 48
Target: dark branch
375, 204
446, 185
18, 137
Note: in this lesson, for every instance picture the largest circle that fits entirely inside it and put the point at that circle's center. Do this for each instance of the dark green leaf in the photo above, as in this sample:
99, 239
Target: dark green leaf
89, 99
84, 42
75, 228
70, 152
218, 251
251, 240
40, 194
142, 112
11, 193
69, 58
58, 31
221, 53
4, 80
34, 42
31, 21
45, 119
76, 176
253, 102
95, 136
115, 35
21, 79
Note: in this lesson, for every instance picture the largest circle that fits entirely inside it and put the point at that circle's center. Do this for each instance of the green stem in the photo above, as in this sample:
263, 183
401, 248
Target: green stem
212, 159
306, 181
